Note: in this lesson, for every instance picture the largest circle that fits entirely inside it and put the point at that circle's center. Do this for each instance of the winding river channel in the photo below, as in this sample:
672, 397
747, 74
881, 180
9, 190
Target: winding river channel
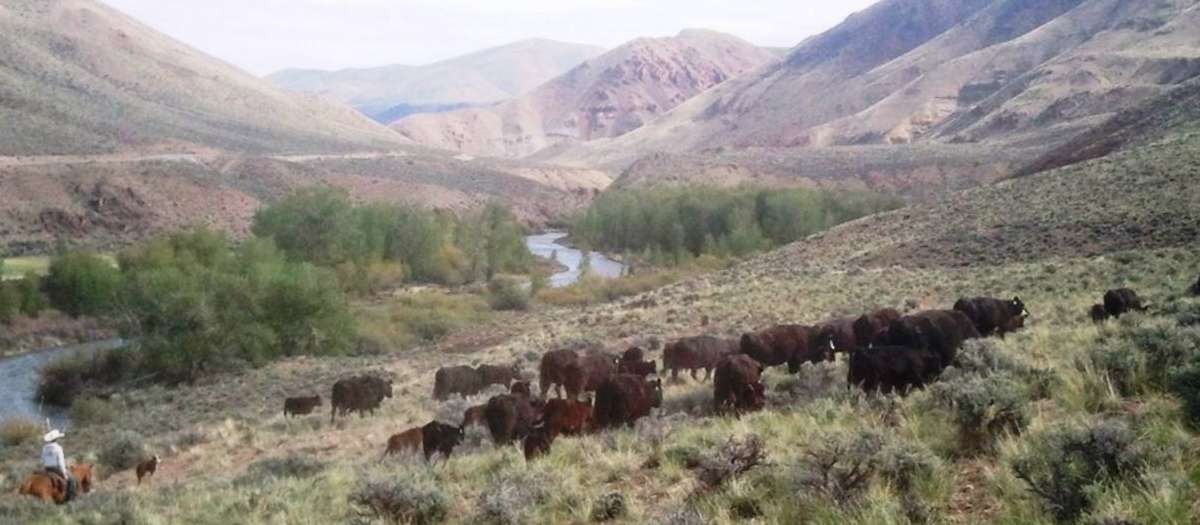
19, 374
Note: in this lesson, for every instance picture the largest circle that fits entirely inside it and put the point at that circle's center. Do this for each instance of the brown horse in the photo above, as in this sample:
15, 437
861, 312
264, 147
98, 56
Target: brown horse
39, 484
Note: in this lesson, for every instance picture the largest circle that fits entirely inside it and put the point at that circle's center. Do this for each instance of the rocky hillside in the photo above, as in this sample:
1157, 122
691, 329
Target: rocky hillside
1011, 73
77, 77
390, 92
607, 96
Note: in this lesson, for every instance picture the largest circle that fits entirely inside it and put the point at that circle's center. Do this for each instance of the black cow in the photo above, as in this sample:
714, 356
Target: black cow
440, 438
1121, 301
939, 331
993, 316
783, 344
624, 398
892, 368
695, 354
462, 380
360, 394
511, 416
872, 327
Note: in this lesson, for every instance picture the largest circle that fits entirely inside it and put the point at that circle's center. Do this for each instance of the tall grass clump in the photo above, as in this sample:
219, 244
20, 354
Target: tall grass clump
18, 430
409, 498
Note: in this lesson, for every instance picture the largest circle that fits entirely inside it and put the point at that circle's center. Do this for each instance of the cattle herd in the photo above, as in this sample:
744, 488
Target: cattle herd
594, 390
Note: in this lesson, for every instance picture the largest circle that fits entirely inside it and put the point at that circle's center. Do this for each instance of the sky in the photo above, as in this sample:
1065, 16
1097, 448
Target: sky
264, 36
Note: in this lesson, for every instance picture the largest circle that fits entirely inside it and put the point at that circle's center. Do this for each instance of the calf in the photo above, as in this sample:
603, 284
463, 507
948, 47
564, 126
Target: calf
147, 468
300, 406
871, 328
892, 368
474, 416
1122, 301
623, 399
696, 353
737, 386
1098, 313
782, 344
565, 416
538, 442
993, 316
440, 438
410, 440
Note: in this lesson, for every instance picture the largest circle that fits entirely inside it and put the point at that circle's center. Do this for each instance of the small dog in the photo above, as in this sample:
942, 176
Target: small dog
147, 468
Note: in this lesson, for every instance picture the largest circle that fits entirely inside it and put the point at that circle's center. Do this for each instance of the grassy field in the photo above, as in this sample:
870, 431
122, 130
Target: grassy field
1057, 240
17, 267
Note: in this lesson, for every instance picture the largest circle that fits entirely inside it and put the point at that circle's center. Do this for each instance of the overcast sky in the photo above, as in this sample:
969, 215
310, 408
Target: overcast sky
263, 36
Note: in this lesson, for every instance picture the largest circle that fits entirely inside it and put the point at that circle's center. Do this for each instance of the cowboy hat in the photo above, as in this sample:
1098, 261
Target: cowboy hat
52, 435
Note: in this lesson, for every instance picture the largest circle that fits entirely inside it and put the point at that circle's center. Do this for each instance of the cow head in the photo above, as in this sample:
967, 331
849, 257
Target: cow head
1017, 307
656, 395
753, 397
754, 346
519, 388
633, 354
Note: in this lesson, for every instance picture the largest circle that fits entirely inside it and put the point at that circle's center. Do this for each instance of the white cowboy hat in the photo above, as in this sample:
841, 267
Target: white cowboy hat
52, 435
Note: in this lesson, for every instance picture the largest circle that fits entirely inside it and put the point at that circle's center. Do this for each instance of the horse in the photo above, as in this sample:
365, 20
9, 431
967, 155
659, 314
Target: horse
41, 486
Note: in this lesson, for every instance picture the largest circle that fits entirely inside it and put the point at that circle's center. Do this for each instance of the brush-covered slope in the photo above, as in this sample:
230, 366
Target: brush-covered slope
1057, 239
950, 71
77, 77
606, 96
483, 77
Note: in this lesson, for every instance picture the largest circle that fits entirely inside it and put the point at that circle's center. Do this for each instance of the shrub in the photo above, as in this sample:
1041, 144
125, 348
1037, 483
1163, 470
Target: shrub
609, 507
1119, 366
32, 300
682, 516
508, 293
19, 430
510, 498
1163, 349
840, 465
1065, 467
10, 303
82, 283
1185, 385
61, 380
124, 451
983, 407
92, 411
290, 466
413, 500
734, 458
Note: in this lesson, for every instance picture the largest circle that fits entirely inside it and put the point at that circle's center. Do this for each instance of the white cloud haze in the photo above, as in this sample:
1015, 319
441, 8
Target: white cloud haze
263, 36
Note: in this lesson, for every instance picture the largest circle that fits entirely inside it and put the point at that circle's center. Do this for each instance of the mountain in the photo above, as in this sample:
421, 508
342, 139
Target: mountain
391, 92
114, 132
77, 77
1005, 73
606, 96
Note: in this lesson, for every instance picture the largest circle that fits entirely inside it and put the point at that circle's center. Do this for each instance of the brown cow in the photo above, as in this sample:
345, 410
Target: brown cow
462, 380
832, 336
440, 438
634, 354
564, 416
1098, 313
625, 398
872, 327
696, 353
474, 416
553, 369
587, 372
737, 386
498, 375
782, 344
300, 406
147, 468
511, 416
641, 368
410, 440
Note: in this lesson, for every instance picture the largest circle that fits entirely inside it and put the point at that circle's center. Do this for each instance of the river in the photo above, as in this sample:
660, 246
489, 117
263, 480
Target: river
19, 378
546, 245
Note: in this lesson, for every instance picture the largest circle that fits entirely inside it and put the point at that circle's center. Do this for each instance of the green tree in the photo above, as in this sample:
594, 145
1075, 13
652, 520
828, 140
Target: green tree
82, 283
317, 225
10, 303
32, 300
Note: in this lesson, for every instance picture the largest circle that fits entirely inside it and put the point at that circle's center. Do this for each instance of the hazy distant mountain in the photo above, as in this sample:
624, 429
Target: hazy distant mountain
79, 77
1020, 73
391, 92
606, 96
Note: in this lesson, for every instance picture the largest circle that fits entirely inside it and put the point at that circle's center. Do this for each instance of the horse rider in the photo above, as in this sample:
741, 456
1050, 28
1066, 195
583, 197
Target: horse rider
54, 461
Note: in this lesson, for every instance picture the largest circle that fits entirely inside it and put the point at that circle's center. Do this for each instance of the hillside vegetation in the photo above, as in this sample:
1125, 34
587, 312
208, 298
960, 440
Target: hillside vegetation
1064, 421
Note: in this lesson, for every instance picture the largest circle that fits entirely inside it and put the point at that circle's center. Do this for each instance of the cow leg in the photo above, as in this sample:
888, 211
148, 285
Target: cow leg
695, 377
707, 374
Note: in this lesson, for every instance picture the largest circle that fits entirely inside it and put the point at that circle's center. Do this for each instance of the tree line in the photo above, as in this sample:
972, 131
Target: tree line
672, 224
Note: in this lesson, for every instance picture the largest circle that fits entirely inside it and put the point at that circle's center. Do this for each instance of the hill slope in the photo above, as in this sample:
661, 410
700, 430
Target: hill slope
1003, 72
606, 96
483, 77
78, 77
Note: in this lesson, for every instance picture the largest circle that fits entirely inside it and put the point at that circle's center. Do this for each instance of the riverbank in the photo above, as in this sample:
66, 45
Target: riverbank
552, 246
51, 329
